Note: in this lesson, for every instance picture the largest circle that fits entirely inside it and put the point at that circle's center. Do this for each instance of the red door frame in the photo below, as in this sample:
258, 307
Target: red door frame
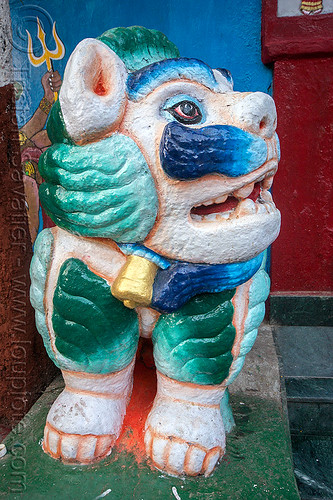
302, 48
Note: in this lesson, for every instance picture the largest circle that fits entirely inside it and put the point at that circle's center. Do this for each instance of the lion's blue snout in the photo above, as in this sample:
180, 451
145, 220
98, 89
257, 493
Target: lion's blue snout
190, 153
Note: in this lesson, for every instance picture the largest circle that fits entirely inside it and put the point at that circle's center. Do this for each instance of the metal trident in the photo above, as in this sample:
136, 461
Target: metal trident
47, 55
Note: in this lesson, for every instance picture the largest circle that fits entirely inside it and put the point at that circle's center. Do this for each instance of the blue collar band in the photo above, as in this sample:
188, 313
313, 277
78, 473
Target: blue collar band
177, 282
174, 286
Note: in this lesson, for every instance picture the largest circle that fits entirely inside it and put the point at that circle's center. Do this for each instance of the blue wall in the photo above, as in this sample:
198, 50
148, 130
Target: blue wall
223, 33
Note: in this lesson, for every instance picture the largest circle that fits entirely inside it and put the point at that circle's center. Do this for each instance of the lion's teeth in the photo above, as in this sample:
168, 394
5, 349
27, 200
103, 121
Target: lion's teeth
266, 196
270, 207
245, 207
224, 215
210, 217
261, 208
267, 182
244, 191
221, 199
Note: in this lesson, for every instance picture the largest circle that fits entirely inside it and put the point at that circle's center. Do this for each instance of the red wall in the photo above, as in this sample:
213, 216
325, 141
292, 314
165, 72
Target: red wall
302, 255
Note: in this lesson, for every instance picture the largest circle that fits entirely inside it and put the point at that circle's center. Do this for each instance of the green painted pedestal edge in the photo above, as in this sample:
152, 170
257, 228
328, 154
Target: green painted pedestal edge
257, 464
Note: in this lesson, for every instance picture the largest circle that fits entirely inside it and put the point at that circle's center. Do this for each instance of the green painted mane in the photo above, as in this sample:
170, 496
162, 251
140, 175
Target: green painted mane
138, 46
101, 189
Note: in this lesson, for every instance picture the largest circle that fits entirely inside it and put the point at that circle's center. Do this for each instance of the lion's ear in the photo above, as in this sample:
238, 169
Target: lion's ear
93, 92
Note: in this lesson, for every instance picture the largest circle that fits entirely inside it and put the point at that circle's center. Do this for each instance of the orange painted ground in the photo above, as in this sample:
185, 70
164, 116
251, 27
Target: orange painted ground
144, 390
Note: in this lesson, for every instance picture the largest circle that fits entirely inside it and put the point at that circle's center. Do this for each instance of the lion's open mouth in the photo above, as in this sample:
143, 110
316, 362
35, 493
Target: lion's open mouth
253, 198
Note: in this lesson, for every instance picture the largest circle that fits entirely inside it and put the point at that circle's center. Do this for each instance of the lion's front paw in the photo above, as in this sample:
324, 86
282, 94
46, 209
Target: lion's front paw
83, 427
85, 420
184, 438
76, 448
177, 456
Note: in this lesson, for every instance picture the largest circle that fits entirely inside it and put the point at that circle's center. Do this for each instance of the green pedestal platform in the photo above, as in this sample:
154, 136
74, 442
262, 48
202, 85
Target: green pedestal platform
257, 464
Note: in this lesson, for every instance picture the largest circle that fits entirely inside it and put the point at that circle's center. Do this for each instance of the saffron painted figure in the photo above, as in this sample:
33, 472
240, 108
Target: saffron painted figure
158, 182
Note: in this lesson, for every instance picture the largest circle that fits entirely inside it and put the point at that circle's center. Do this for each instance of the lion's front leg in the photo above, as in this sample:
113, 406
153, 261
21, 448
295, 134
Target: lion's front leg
192, 350
85, 421
184, 430
93, 340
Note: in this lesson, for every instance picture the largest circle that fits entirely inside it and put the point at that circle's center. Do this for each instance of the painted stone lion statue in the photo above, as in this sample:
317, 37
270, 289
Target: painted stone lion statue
158, 182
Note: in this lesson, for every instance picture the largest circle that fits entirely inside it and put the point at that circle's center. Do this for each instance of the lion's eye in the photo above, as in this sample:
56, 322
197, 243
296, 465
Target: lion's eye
186, 112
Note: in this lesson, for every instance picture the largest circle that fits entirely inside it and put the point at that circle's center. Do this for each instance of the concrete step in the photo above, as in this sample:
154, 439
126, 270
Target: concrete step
305, 354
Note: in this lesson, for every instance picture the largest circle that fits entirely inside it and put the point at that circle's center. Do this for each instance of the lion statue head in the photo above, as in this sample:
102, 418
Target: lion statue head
157, 150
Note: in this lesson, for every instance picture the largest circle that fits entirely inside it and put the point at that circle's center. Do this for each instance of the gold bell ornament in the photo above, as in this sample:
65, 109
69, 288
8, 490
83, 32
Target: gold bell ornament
134, 284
